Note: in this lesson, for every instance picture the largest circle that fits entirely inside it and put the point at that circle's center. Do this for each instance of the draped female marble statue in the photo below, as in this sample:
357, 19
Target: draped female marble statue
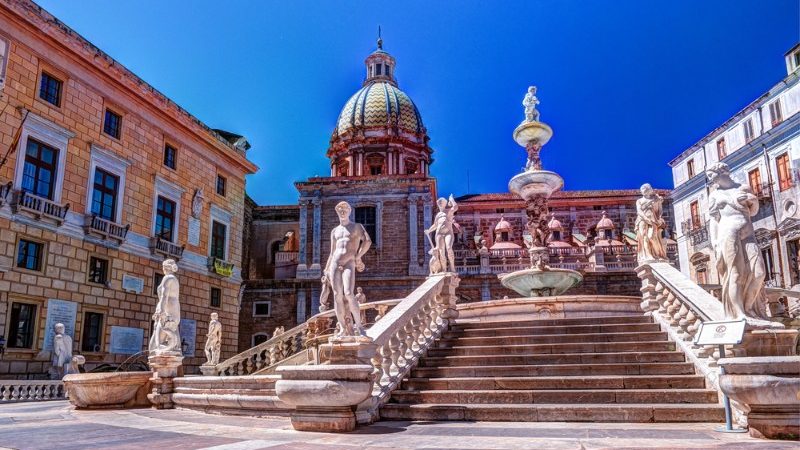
442, 245
349, 242
62, 352
649, 225
213, 340
167, 317
741, 270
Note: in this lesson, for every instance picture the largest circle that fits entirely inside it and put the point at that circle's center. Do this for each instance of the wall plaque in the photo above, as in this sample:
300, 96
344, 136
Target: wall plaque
132, 284
188, 331
194, 231
126, 340
59, 311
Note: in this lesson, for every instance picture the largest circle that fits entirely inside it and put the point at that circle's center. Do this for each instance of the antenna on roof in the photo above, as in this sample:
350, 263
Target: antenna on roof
380, 41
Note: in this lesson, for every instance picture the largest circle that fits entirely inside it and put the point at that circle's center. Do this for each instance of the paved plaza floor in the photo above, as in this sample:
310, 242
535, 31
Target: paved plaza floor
56, 425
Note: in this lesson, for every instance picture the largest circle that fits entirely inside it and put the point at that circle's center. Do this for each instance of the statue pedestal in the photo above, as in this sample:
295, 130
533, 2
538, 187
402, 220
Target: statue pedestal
769, 342
359, 350
324, 396
166, 367
209, 370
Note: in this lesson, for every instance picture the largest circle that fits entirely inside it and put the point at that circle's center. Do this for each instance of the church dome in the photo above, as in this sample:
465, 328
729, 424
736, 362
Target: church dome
502, 225
379, 104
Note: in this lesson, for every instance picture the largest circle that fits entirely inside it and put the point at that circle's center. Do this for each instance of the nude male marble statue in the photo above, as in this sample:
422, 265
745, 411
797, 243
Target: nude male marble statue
213, 340
649, 225
167, 316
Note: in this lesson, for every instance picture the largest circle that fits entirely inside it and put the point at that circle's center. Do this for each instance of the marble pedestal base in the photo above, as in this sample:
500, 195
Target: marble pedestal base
166, 367
324, 396
208, 370
767, 388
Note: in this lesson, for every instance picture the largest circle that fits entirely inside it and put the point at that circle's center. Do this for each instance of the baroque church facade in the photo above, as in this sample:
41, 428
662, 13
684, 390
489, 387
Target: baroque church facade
380, 163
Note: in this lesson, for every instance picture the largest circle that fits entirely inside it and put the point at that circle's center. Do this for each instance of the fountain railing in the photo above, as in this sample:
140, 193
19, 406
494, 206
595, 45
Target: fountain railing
31, 390
305, 337
404, 335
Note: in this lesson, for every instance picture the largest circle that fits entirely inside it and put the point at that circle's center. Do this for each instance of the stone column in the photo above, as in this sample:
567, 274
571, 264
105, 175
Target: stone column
302, 261
166, 367
315, 271
301, 306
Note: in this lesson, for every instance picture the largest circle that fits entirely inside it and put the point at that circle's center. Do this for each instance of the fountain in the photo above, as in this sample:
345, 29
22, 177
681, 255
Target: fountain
535, 185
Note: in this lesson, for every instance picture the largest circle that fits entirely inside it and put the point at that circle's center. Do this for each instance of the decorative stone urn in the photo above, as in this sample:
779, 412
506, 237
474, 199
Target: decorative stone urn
108, 390
324, 396
768, 388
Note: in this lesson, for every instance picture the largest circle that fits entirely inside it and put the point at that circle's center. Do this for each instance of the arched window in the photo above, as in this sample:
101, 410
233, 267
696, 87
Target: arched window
259, 338
274, 248
366, 216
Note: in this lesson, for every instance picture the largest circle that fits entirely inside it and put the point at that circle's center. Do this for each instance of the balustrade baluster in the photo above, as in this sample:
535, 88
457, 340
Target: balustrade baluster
386, 364
394, 347
408, 330
692, 325
683, 324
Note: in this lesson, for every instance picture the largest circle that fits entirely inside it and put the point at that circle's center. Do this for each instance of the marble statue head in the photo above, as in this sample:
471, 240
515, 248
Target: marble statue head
646, 190
718, 171
59, 328
532, 89
359, 290
441, 203
343, 210
214, 316
169, 266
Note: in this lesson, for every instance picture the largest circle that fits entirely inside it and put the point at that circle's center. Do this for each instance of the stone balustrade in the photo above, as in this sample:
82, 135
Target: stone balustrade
38, 207
405, 334
31, 390
105, 229
305, 337
165, 248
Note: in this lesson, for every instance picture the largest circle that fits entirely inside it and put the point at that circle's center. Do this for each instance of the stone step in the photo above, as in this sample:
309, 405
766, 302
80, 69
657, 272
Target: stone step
590, 412
551, 330
252, 395
562, 382
671, 368
217, 391
464, 325
249, 382
551, 339
554, 358
527, 349
556, 396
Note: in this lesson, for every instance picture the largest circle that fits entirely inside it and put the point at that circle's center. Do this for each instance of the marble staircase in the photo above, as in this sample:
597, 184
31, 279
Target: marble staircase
599, 369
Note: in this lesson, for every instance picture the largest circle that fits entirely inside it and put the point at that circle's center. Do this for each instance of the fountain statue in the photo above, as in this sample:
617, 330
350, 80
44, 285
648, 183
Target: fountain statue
349, 242
167, 317
649, 225
442, 249
535, 185
213, 340
61, 360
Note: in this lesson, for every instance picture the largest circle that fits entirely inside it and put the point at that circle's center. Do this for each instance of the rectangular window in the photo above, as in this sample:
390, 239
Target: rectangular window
690, 168
112, 125
218, 235
22, 325
216, 297
104, 195
50, 89
775, 112
754, 179
170, 156
165, 218
30, 255
157, 277
92, 339
784, 174
722, 151
98, 270
749, 134
221, 185
39, 171
378, 69
262, 309
694, 210
365, 215
375, 170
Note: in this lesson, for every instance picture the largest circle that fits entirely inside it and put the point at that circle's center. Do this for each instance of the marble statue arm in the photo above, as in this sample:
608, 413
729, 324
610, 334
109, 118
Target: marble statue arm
749, 201
366, 243
330, 256
453, 205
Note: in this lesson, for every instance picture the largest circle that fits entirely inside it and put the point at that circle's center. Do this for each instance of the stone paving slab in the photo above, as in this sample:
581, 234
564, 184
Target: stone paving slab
56, 425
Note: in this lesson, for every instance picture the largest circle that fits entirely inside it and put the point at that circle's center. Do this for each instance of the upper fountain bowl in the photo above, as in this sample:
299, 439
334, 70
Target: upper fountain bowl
532, 132
535, 183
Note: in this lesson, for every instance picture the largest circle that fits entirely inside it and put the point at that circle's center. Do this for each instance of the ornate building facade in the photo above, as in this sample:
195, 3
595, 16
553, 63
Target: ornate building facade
103, 177
761, 145
380, 163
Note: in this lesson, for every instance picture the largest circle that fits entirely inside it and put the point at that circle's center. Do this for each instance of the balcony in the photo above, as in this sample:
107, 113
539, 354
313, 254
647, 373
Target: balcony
38, 207
105, 229
763, 191
220, 266
165, 248
699, 237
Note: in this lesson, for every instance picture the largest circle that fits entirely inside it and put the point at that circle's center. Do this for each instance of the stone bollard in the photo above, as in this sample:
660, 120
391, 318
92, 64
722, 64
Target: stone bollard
165, 368
324, 396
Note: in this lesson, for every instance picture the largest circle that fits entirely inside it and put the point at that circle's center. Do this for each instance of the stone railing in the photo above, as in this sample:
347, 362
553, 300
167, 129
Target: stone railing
286, 258
31, 390
38, 207
305, 337
165, 248
404, 335
105, 229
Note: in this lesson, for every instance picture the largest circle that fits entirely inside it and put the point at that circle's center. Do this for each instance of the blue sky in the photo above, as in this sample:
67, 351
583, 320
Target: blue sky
625, 84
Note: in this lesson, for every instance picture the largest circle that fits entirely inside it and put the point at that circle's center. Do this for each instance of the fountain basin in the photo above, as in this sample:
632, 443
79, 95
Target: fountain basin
108, 390
541, 283
535, 183
532, 132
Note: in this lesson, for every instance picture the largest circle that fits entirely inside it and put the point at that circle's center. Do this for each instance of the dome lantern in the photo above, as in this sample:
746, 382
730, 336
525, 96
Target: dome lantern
380, 65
